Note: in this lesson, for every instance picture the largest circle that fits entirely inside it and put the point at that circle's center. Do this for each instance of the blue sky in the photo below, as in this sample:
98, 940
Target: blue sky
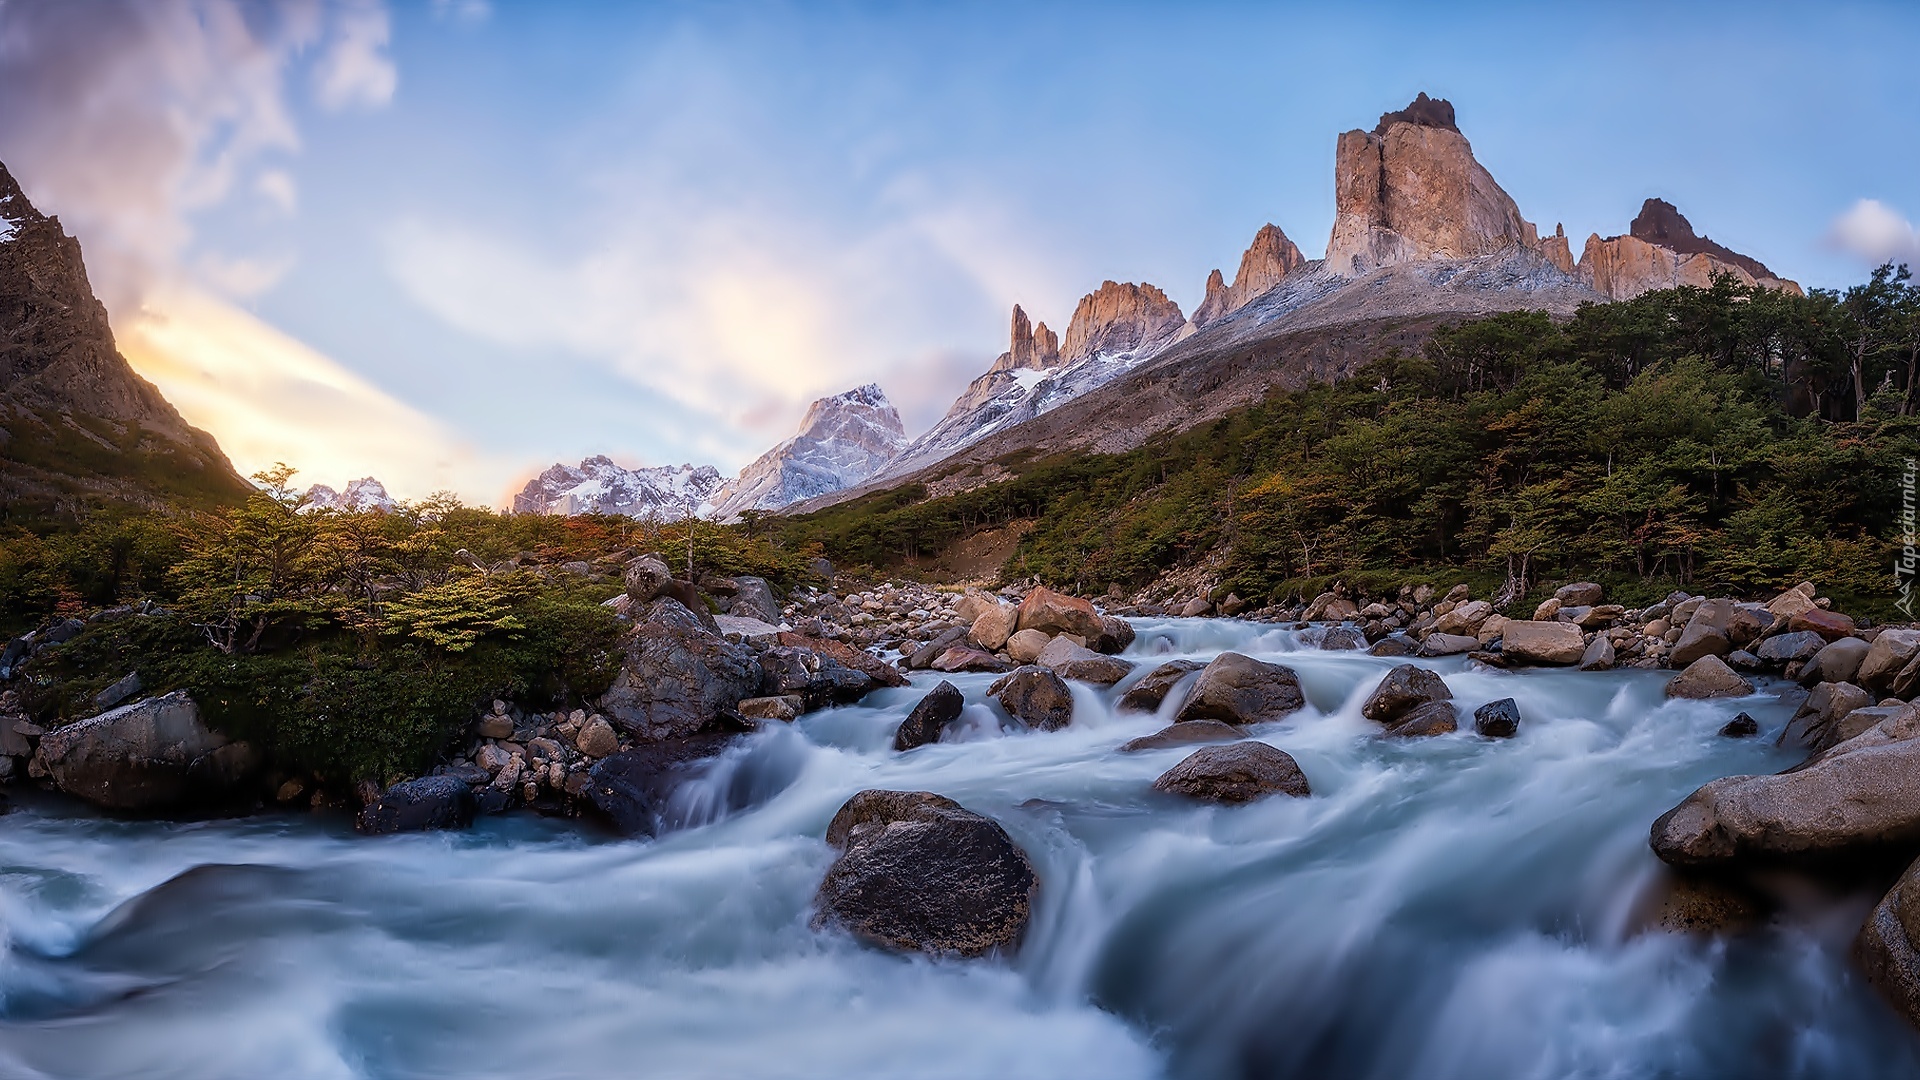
658, 230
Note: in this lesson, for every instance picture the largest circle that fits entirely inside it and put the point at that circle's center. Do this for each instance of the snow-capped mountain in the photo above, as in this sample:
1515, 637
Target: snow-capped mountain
365, 493
843, 440
598, 486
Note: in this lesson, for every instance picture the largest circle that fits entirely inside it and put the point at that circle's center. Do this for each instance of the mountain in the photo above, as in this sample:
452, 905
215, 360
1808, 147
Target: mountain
365, 493
598, 486
1423, 237
843, 440
77, 425
1660, 251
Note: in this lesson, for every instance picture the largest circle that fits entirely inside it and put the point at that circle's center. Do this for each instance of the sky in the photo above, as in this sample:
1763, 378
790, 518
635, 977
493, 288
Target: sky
451, 242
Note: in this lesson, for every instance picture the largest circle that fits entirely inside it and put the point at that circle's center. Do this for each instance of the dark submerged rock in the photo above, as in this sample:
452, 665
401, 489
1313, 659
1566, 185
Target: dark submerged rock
1497, 719
431, 802
1241, 772
1035, 696
1237, 689
930, 717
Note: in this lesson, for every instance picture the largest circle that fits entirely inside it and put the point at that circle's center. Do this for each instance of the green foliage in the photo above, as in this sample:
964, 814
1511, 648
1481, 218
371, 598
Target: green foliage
1703, 438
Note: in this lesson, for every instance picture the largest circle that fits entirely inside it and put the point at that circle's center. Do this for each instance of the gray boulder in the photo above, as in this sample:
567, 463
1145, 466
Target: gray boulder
1148, 694
1890, 651
1838, 661
1035, 696
676, 678
1599, 655
1237, 689
1450, 644
1184, 734
1432, 718
1706, 634
632, 788
1534, 641
431, 802
753, 598
152, 755
1888, 947
1813, 724
1082, 664
1708, 677
1238, 773
919, 872
1402, 690
1782, 649
930, 717
1579, 594
647, 577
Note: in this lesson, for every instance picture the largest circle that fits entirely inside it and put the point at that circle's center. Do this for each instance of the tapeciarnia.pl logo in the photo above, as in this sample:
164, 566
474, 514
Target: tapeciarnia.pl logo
1903, 567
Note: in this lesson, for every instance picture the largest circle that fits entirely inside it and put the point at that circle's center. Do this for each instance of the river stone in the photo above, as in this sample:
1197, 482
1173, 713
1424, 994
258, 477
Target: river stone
1184, 734
1402, 690
1395, 646
1837, 661
151, 755
930, 717
431, 802
1025, 645
1705, 634
1599, 655
1740, 727
992, 627
1497, 719
923, 657
1888, 947
1859, 796
1238, 689
845, 655
1828, 624
1054, 613
1241, 772
676, 678
782, 708
753, 598
1081, 663
1531, 641
1579, 594
1149, 693
1035, 696
1889, 652
632, 787
1448, 644
1432, 718
959, 658
918, 872
1783, 649
1116, 634
1343, 639
647, 577
1813, 722
596, 738
1708, 677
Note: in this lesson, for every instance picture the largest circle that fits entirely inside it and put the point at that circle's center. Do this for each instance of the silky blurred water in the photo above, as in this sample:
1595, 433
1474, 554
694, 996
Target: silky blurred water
1440, 908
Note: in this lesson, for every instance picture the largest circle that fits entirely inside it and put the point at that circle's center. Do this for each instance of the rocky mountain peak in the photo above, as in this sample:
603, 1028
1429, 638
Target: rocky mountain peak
1660, 251
599, 486
1411, 190
1121, 319
843, 439
1268, 261
365, 493
1660, 222
1031, 347
1422, 111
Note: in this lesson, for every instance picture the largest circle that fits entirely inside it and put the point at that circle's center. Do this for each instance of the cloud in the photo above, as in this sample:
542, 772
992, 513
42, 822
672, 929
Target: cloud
1877, 234
354, 71
271, 398
462, 11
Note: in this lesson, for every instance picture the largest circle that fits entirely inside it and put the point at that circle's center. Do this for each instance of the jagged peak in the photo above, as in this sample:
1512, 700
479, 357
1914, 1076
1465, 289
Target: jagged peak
1422, 111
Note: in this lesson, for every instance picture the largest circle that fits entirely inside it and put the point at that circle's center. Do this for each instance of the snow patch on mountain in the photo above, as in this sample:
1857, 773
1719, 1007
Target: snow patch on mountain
842, 441
598, 486
365, 493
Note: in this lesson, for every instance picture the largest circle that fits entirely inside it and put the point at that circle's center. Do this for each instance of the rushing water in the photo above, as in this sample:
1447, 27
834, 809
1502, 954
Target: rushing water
1440, 908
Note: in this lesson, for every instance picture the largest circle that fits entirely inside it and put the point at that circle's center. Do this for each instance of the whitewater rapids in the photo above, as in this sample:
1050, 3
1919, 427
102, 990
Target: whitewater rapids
1454, 907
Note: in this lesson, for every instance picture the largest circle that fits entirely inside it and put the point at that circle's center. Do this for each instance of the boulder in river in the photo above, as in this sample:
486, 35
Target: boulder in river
1184, 734
1448, 644
1888, 947
153, 755
1529, 641
994, 625
1082, 664
1837, 661
1402, 690
631, 788
1429, 718
1708, 677
1238, 689
1813, 724
1035, 696
1236, 773
1025, 645
431, 802
1057, 613
1890, 651
676, 678
930, 717
1148, 694
1740, 727
919, 872
1861, 795
1497, 719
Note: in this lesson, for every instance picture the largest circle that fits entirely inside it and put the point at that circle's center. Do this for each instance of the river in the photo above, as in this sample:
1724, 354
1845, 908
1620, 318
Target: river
1454, 907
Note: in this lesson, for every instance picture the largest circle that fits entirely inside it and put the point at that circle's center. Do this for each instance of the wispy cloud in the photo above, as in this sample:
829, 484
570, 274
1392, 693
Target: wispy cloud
1877, 233
355, 71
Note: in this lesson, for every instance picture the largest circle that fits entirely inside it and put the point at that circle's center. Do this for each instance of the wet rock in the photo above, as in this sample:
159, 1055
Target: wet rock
1115, 635
781, 708
1497, 719
930, 717
1404, 689
1238, 689
1888, 948
675, 679
1528, 641
631, 789
1237, 773
1343, 639
1056, 613
1708, 677
1394, 646
1448, 644
1035, 696
1082, 664
1025, 645
1693, 903
918, 872
881, 672
152, 755
1740, 727
1838, 661
431, 802
1148, 694
817, 680
1184, 734
1430, 718
1812, 725
1862, 795
959, 658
